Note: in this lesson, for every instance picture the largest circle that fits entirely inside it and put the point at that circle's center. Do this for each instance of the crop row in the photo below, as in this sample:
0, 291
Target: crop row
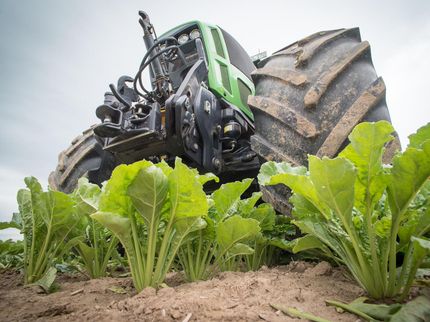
353, 209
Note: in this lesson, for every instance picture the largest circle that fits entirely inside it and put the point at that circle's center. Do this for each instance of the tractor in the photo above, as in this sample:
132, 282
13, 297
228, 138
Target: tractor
212, 105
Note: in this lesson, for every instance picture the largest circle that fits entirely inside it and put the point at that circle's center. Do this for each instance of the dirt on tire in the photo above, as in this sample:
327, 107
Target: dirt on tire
85, 157
230, 296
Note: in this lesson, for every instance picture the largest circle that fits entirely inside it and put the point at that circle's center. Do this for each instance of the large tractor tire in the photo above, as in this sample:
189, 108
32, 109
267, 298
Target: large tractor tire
309, 96
84, 158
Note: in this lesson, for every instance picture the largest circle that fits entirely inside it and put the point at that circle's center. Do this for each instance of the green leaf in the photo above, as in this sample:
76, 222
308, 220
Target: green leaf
187, 225
305, 243
281, 243
271, 168
29, 226
265, 215
240, 249
298, 181
114, 197
421, 247
329, 234
16, 222
10, 224
365, 152
87, 252
204, 178
227, 197
164, 167
61, 212
87, 196
40, 203
236, 229
283, 227
245, 206
418, 250
368, 136
17, 219
11, 253
10, 246
209, 231
409, 173
303, 207
118, 224
417, 224
72, 242
333, 180
417, 217
383, 227
187, 198
148, 192
377, 311
417, 139
370, 312
417, 310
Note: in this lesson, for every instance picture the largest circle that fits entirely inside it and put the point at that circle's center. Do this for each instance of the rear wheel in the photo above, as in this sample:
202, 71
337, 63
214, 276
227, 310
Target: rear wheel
309, 96
84, 158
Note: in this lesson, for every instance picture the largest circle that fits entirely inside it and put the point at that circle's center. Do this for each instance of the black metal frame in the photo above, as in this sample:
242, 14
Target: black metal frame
208, 131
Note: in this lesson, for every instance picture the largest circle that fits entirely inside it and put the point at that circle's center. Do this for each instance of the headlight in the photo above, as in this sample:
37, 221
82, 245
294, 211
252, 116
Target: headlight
195, 33
182, 39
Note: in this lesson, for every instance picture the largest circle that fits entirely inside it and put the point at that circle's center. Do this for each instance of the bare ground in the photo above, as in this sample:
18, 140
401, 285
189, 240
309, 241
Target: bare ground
230, 296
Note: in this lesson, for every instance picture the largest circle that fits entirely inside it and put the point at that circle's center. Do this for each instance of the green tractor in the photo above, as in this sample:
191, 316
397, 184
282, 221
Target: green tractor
210, 104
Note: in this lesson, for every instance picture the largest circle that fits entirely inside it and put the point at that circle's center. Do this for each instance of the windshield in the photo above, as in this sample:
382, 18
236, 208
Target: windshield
238, 56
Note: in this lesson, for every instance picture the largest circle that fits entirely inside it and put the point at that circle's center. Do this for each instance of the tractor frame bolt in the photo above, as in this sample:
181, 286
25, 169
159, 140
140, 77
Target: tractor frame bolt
216, 163
207, 107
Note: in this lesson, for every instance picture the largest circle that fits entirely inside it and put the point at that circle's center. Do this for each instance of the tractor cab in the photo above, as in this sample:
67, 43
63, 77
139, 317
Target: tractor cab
229, 66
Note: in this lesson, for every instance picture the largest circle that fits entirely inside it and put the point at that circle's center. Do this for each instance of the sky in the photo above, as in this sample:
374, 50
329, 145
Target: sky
58, 57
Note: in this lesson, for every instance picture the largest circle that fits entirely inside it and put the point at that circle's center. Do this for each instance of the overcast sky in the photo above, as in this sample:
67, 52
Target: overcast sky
58, 57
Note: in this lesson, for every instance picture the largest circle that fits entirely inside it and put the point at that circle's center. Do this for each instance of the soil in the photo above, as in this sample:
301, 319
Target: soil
230, 296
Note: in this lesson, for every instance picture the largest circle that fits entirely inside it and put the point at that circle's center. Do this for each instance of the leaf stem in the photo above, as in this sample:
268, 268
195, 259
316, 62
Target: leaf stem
139, 270
293, 312
350, 309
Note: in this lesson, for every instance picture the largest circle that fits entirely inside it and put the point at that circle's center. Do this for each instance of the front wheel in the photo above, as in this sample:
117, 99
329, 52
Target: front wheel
84, 158
309, 96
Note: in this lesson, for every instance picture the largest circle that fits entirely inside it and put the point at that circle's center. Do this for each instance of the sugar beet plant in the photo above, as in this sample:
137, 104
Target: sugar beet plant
237, 233
53, 224
95, 244
152, 209
362, 213
46, 220
11, 253
224, 238
262, 245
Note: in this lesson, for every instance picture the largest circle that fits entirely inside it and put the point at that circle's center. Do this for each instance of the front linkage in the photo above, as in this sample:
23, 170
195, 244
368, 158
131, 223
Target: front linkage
181, 115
